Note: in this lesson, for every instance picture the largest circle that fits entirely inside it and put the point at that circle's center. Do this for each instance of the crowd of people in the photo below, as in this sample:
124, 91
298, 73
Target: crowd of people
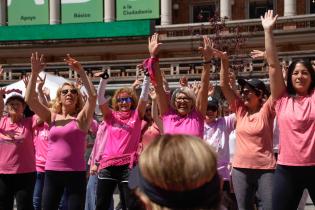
163, 149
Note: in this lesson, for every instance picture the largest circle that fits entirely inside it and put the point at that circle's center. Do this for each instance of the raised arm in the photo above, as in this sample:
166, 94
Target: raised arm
226, 88
86, 114
2, 93
101, 100
277, 84
155, 111
41, 95
202, 97
163, 101
31, 98
144, 96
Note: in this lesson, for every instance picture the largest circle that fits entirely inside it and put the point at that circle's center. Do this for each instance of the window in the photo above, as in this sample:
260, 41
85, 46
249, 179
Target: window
259, 7
202, 13
312, 6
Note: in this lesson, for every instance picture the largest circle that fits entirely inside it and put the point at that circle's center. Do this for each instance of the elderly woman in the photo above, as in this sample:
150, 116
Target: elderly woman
69, 122
167, 178
295, 108
185, 112
17, 154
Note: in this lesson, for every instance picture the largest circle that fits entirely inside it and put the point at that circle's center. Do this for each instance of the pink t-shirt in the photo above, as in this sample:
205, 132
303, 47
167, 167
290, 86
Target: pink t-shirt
123, 137
17, 154
217, 135
192, 124
150, 134
296, 120
254, 137
66, 148
41, 132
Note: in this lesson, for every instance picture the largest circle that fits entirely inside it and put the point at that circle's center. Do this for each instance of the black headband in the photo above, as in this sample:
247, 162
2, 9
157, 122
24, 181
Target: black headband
205, 196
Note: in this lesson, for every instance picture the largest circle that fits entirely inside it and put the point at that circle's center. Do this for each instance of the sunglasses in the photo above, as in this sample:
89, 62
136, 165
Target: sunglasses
126, 100
66, 91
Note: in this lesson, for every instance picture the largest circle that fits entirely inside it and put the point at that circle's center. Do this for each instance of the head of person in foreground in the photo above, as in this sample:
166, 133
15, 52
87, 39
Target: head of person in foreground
177, 172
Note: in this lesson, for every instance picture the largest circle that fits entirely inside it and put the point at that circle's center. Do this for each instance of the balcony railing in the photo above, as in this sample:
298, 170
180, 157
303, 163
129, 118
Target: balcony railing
124, 72
247, 27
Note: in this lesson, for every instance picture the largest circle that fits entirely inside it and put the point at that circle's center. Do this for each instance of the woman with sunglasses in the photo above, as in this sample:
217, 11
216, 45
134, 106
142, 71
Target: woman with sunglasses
185, 113
69, 121
123, 133
254, 161
295, 108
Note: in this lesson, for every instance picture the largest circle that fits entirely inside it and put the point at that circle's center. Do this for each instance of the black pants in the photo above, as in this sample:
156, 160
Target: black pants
108, 179
289, 184
72, 182
20, 186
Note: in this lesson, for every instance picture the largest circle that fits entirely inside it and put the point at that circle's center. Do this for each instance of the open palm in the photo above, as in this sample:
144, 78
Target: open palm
268, 21
154, 45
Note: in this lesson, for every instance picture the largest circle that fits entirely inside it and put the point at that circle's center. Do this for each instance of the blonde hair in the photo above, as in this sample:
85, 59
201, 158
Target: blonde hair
130, 92
177, 163
185, 90
57, 105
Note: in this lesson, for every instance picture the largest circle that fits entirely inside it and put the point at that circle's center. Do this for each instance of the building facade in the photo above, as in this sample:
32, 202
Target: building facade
181, 26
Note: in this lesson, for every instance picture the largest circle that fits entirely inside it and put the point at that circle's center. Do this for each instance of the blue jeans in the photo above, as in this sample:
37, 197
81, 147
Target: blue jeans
91, 194
247, 182
38, 191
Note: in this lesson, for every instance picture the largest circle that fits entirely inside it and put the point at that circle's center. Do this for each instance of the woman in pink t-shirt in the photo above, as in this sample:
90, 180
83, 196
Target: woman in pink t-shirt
69, 122
17, 155
295, 108
185, 113
123, 133
254, 161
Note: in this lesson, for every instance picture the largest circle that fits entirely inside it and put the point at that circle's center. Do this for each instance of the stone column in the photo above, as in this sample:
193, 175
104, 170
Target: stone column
289, 7
225, 9
54, 12
166, 12
3, 13
109, 8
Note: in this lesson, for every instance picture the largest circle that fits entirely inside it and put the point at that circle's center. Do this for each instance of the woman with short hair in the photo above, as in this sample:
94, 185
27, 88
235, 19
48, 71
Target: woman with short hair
168, 178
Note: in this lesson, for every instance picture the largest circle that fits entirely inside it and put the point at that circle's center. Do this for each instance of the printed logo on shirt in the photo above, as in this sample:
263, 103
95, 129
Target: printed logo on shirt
16, 136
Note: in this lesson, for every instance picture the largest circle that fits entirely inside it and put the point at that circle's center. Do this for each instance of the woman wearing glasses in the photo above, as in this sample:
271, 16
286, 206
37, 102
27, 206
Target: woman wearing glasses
185, 113
69, 121
123, 133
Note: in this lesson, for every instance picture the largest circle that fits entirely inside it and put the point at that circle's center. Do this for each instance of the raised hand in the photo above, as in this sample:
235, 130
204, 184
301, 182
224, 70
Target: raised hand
207, 50
152, 93
154, 45
37, 63
46, 92
136, 84
268, 21
74, 64
258, 54
26, 79
41, 82
1, 70
2, 91
211, 89
183, 81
